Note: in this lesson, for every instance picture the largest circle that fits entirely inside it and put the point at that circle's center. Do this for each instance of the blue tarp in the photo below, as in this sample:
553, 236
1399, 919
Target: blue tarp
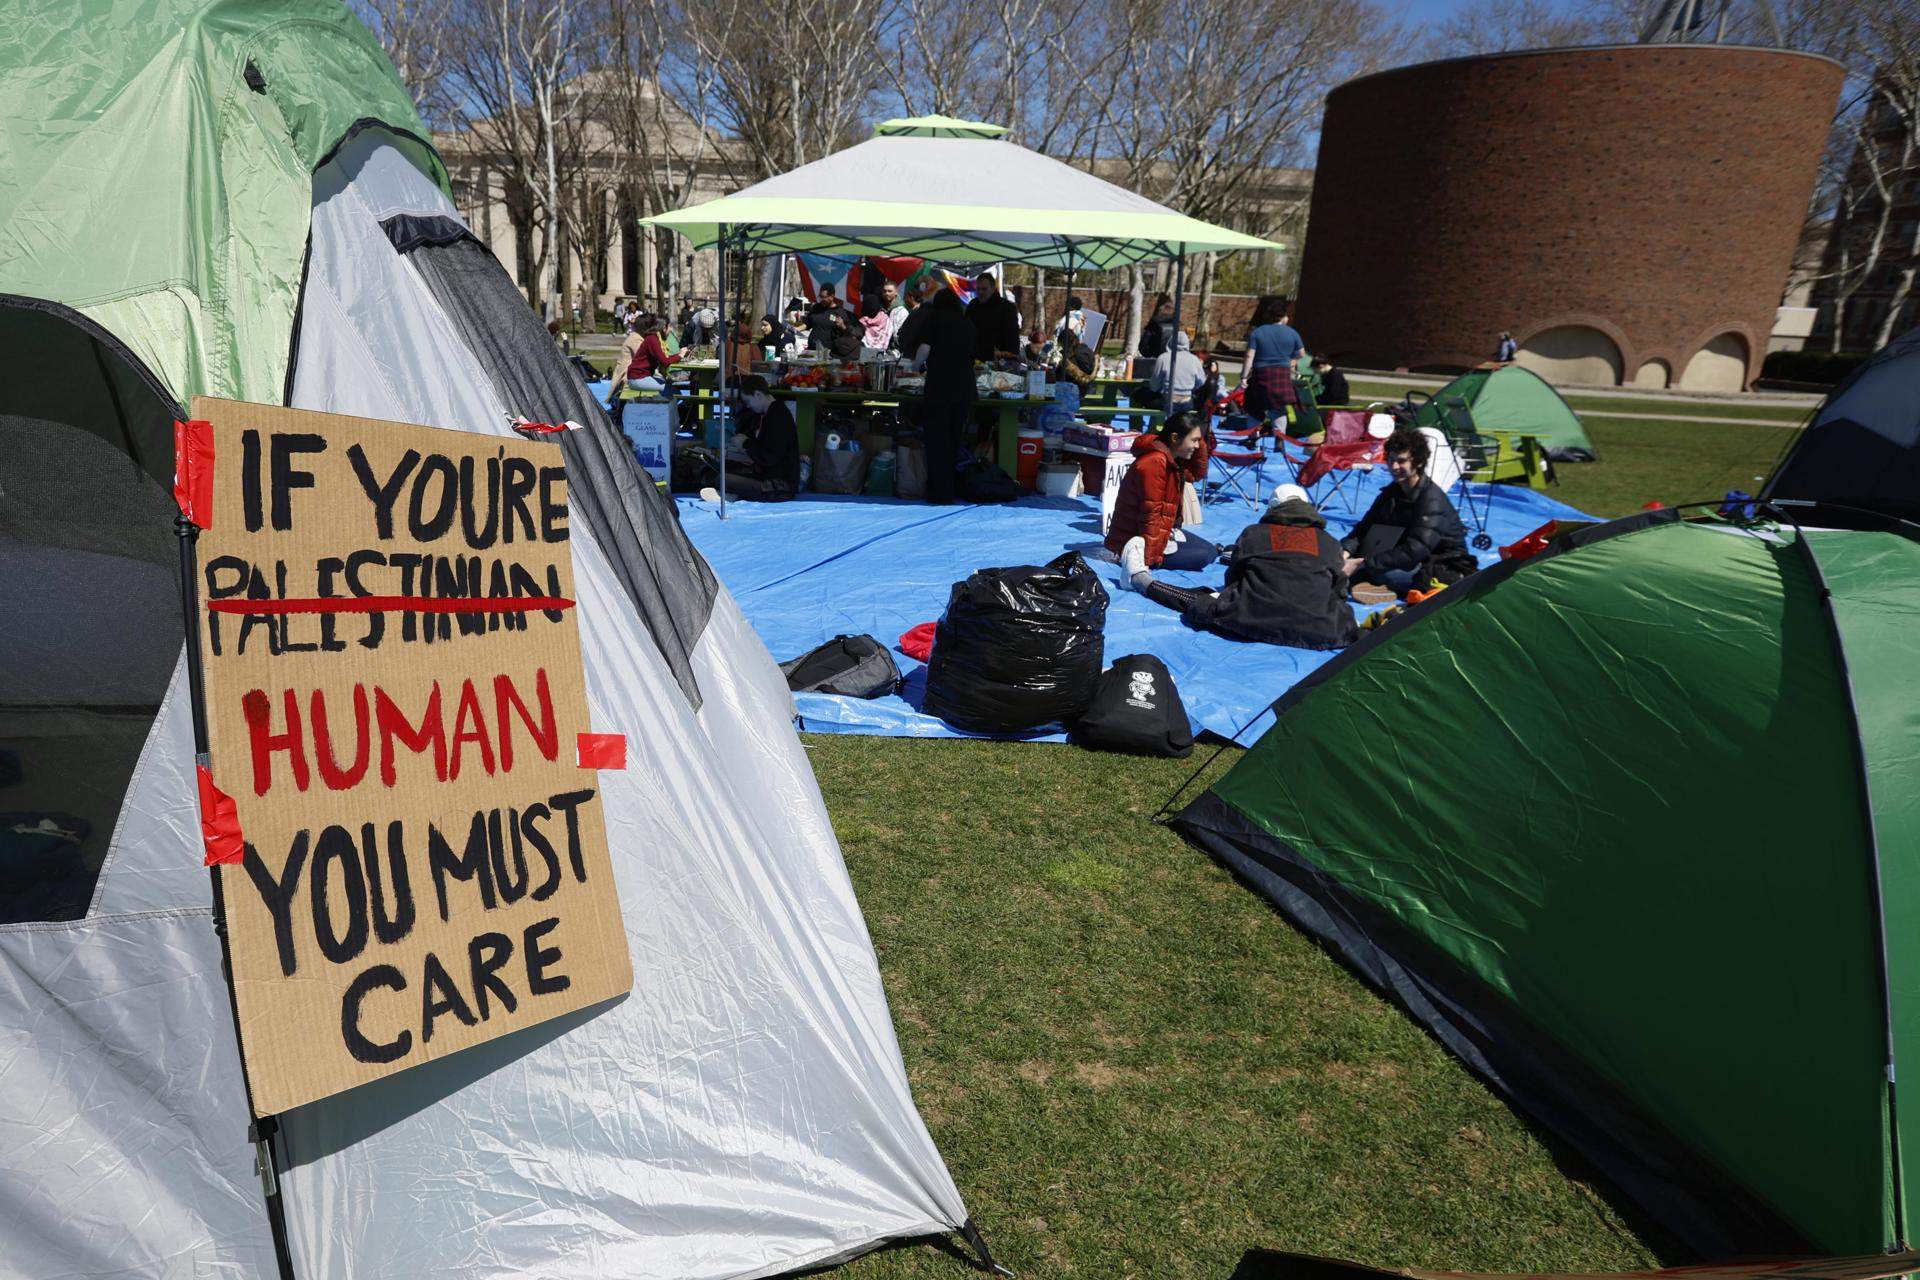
818, 566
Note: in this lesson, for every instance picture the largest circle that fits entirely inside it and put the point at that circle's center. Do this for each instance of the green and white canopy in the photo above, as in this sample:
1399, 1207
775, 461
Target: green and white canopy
945, 189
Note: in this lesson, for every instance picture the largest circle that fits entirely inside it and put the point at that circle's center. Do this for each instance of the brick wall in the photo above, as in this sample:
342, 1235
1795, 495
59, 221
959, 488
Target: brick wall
1652, 192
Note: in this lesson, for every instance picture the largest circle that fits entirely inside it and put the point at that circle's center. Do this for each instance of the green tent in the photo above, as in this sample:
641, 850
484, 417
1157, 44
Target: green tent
1514, 399
1633, 828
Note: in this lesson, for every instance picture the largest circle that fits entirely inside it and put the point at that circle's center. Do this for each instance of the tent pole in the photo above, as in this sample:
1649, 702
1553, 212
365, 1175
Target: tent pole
1179, 288
720, 406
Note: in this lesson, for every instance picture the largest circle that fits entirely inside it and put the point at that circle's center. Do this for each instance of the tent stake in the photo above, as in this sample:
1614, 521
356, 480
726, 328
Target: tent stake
978, 1243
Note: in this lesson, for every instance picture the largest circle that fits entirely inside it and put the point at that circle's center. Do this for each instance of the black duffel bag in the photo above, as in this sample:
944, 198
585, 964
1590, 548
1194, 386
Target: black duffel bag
1019, 648
852, 666
1136, 709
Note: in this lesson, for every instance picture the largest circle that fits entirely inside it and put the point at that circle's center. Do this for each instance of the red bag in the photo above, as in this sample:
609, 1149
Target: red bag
917, 643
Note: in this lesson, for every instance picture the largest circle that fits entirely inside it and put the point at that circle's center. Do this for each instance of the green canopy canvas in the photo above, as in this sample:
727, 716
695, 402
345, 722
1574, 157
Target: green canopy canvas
1510, 398
1633, 828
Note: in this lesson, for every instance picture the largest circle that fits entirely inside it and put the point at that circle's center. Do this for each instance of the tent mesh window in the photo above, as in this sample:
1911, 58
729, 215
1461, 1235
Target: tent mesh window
91, 629
667, 580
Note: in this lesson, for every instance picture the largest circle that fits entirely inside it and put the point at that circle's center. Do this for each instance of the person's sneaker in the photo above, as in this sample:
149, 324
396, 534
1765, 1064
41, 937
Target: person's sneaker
709, 494
1133, 562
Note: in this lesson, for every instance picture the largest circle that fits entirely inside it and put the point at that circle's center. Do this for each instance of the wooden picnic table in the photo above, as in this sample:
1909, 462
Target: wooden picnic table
1005, 410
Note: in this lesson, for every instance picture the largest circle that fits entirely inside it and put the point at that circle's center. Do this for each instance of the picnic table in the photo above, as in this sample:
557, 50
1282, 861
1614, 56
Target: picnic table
806, 402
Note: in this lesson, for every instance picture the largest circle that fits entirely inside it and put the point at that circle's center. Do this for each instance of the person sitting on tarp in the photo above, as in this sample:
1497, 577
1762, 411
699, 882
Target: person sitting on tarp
764, 459
1411, 536
1286, 582
1177, 374
1145, 530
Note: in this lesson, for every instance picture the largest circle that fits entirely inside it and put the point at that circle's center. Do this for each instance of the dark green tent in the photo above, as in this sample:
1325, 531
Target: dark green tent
1633, 827
1510, 398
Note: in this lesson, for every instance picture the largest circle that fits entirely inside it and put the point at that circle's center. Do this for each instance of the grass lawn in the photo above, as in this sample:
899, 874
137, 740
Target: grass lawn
1134, 1067
1672, 461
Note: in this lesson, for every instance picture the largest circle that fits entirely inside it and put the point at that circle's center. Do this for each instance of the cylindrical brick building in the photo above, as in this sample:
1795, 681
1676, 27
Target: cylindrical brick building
1628, 212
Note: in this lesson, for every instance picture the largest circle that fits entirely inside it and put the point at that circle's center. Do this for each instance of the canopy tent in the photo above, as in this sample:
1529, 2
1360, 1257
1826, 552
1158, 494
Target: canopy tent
953, 197
231, 197
951, 191
1862, 447
1511, 398
1632, 828
937, 126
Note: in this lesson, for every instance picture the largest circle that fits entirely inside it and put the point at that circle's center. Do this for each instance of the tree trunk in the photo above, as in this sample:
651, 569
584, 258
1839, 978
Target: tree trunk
1039, 320
1895, 303
1203, 313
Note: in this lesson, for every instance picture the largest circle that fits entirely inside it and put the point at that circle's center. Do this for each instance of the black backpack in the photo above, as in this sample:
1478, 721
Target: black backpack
852, 666
1136, 709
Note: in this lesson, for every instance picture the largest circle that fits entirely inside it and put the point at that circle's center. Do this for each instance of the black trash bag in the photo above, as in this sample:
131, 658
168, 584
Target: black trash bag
1019, 648
981, 481
852, 666
1136, 708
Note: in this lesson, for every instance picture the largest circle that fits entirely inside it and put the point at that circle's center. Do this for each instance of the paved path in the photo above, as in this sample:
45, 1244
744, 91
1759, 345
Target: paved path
1695, 417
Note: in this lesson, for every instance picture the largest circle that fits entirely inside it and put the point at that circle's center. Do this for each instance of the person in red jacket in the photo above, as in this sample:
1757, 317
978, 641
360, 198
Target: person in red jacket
1145, 529
650, 361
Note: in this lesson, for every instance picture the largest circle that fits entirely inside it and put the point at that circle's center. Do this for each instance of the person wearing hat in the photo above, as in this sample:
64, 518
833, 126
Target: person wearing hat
1286, 582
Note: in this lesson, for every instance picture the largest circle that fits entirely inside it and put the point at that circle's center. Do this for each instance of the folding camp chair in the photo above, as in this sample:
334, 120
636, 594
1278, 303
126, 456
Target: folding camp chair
1346, 450
1479, 456
1237, 453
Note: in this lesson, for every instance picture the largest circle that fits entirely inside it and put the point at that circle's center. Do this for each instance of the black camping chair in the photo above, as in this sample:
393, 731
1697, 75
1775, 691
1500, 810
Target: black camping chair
1479, 456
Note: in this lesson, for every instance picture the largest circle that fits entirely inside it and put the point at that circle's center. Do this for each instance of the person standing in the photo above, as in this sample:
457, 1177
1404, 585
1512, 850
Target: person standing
944, 351
1157, 333
1507, 350
820, 327
996, 321
1266, 371
876, 325
896, 312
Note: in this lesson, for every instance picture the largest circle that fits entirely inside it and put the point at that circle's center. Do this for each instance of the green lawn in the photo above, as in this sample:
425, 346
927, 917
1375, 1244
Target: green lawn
1672, 462
1667, 406
1134, 1067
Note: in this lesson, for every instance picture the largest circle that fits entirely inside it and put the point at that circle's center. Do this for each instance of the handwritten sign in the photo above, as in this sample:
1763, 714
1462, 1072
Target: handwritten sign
397, 710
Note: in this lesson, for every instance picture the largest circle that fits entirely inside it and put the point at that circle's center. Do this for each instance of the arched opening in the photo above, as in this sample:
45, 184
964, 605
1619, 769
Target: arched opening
1721, 365
1654, 375
1573, 353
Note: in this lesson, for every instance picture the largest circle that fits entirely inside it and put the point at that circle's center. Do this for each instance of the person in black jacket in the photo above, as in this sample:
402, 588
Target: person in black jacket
996, 321
1411, 535
1286, 583
764, 461
943, 350
1157, 332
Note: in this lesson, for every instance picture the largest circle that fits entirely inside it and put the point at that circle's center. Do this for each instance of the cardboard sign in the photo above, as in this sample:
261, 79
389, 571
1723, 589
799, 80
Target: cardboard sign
396, 709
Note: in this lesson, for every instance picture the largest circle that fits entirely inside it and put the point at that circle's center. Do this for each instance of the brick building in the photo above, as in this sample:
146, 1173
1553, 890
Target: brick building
1629, 212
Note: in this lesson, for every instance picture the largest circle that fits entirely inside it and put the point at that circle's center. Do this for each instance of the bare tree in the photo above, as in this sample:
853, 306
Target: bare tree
1497, 26
413, 32
513, 63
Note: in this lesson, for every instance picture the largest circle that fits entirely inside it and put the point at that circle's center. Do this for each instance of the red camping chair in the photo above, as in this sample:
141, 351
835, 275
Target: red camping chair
1237, 450
1346, 449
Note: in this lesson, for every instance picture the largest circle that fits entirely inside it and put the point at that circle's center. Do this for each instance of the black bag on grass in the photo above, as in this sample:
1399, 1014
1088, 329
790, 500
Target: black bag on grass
1136, 709
1018, 648
852, 666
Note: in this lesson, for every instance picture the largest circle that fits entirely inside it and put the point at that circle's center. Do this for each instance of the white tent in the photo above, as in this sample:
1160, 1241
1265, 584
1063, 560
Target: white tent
744, 1111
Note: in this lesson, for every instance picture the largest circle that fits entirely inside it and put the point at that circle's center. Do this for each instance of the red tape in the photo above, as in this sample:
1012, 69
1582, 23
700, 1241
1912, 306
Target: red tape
391, 604
219, 822
193, 470
601, 750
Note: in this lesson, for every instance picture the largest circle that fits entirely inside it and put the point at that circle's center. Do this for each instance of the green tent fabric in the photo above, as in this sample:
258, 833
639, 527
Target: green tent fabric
1634, 828
152, 187
1514, 399
937, 126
